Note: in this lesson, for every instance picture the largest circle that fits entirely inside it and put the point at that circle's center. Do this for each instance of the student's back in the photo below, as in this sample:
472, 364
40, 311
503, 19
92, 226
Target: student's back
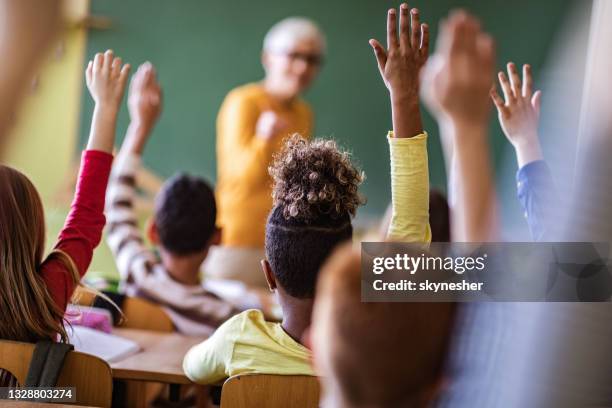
315, 196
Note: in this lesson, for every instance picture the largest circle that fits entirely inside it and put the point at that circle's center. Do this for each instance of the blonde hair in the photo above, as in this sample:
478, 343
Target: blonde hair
286, 33
29, 312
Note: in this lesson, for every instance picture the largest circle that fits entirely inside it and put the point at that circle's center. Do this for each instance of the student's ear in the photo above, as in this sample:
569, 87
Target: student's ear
152, 233
264, 60
215, 239
267, 270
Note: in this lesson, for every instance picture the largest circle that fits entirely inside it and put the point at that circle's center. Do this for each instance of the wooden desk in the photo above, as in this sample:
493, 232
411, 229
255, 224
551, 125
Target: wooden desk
160, 360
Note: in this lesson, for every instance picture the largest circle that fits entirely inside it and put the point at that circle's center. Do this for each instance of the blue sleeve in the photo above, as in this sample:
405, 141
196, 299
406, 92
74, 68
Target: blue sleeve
537, 194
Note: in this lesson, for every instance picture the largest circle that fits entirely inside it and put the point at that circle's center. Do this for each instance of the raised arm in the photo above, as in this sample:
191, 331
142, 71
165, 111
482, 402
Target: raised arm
399, 67
124, 237
106, 78
519, 113
456, 83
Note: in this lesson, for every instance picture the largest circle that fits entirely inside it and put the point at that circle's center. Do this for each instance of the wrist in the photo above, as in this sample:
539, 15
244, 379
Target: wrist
405, 98
406, 116
527, 152
105, 109
136, 138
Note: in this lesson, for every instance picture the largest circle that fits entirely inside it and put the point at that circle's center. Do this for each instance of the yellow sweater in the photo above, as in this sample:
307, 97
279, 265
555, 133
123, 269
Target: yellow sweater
243, 183
246, 343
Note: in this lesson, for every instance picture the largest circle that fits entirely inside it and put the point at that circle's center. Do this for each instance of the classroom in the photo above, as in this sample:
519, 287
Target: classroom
210, 203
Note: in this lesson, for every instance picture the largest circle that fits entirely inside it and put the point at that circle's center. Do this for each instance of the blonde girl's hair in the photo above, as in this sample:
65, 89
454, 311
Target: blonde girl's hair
29, 312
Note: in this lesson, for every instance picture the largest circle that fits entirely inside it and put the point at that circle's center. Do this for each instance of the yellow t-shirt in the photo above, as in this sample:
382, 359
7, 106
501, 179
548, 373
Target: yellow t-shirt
246, 344
244, 187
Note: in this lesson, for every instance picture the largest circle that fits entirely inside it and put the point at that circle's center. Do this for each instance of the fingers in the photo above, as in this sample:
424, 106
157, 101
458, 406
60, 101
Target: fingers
497, 100
506, 88
391, 30
89, 72
527, 81
405, 36
515, 80
486, 51
108, 60
424, 46
458, 31
415, 23
116, 67
123, 75
380, 53
536, 101
97, 63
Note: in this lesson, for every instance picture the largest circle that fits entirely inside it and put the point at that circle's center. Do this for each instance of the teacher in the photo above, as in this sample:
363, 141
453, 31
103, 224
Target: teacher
251, 125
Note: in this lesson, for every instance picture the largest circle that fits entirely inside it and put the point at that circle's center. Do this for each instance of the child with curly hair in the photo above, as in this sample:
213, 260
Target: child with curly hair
315, 196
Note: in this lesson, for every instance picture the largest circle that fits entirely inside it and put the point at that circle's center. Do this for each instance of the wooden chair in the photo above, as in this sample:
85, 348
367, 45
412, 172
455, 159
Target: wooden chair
270, 391
144, 315
90, 375
139, 313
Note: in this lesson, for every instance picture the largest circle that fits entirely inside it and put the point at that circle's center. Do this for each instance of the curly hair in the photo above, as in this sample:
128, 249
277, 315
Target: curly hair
313, 178
315, 195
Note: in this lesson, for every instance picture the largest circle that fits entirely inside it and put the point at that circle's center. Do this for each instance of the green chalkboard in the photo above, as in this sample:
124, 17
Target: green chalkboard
204, 48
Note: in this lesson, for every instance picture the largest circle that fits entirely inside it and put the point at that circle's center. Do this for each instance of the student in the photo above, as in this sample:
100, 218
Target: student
375, 354
518, 116
315, 196
34, 290
456, 84
183, 226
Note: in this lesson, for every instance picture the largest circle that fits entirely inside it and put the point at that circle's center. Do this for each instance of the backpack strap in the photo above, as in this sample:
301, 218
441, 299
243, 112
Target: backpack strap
46, 364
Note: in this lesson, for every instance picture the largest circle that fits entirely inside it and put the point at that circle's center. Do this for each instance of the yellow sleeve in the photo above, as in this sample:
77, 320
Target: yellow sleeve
409, 189
238, 143
209, 361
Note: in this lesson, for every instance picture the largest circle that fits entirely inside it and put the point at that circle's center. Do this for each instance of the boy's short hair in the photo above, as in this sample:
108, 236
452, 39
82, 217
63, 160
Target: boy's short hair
315, 194
185, 214
380, 354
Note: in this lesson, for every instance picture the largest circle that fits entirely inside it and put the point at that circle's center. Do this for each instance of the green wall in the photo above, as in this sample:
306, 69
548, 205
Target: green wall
204, 48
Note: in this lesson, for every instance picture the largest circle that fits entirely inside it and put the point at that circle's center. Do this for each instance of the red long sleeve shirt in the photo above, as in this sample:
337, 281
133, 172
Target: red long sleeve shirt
83, 227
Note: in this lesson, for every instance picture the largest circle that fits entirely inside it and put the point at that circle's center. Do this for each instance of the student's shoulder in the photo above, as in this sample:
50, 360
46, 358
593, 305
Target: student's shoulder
243, 321
246, 93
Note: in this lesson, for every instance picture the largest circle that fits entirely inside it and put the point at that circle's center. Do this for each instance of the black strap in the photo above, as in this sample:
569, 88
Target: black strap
46, 364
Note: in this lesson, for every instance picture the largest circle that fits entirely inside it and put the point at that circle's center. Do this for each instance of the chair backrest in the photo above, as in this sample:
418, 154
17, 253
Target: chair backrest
270, 391
144, 315
91, 375
138, 313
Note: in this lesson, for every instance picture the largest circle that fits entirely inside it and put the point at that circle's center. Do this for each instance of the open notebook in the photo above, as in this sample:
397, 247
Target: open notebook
106, 346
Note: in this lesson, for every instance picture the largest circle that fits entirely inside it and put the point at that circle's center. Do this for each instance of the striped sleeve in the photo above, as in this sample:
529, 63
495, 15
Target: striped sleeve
133, 259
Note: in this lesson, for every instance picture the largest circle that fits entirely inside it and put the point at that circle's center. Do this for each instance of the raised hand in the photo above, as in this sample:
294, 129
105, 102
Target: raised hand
519, 113
400, 65
456, 82
106, 79
270, 124
145, 96
401, 62
457, 79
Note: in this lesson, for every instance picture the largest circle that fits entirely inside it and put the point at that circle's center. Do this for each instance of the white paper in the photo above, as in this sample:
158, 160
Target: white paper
106, 346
